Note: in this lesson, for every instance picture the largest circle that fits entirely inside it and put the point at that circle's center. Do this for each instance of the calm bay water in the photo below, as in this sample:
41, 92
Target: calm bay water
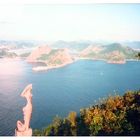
59, 91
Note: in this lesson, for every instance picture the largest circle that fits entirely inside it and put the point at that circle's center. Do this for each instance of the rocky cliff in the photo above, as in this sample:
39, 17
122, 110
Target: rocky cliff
38, 53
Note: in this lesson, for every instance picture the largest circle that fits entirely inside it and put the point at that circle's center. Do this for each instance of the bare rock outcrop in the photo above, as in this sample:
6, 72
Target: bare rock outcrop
23, 128
37, 53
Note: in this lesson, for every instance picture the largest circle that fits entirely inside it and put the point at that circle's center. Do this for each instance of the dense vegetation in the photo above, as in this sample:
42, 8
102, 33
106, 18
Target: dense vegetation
116, 115
48, 56
138, 56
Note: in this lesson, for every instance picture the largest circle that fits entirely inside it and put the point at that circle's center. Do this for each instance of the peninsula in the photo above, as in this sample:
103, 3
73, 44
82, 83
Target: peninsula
52, 58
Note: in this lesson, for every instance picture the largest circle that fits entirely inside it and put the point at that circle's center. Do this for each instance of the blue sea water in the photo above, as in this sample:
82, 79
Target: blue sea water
59, 91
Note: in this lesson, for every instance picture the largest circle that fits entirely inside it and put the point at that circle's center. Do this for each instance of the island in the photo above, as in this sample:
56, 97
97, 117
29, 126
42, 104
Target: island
52, 58
112, 53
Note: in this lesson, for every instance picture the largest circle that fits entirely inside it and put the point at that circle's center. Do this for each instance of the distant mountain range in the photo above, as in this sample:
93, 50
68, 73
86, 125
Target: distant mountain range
78, 45
73, 45
132, 44
19, 43
61, 52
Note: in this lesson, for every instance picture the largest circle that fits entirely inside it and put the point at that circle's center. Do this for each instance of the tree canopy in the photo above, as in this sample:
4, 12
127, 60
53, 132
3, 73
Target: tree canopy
114, 116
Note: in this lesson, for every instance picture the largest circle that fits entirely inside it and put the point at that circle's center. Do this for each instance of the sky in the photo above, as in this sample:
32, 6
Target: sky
51, 22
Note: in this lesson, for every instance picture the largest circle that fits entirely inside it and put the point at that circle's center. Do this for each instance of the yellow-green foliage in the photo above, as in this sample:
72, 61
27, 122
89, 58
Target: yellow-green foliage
118, 115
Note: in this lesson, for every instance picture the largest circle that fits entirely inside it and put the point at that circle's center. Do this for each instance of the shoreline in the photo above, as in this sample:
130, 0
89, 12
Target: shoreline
111, 62
107, 61
127, 60
45, 68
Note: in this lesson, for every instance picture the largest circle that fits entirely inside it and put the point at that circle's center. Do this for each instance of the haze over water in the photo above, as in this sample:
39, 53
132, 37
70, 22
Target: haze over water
59, 91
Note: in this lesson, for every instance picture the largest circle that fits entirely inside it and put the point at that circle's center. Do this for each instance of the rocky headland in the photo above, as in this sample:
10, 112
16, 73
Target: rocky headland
53, 58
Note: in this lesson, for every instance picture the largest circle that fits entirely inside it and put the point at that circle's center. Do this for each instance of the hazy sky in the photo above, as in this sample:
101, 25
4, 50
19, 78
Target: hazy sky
70, 22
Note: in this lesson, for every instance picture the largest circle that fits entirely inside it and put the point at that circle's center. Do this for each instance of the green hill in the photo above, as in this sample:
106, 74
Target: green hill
114, 116
48, 56
126, 51
56, 57
114, 52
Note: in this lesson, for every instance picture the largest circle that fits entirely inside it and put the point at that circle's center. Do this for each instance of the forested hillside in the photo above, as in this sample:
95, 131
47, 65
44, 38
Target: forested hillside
113, 116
